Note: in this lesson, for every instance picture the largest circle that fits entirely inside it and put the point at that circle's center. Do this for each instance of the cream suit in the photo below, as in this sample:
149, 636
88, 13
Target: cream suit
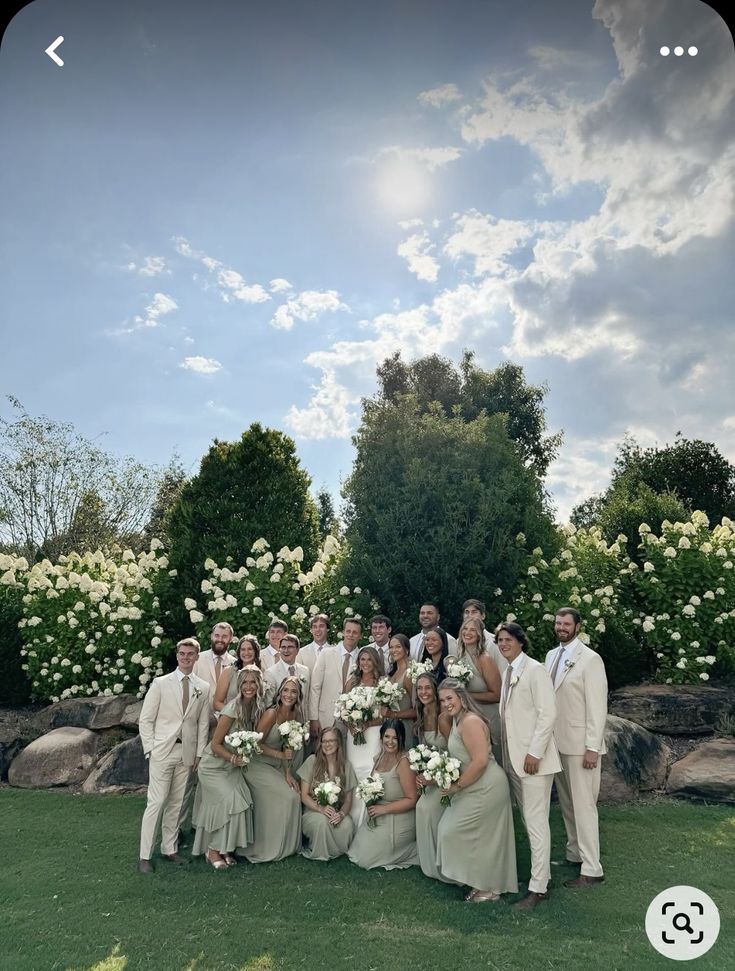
206, 670
172, 741
527, 714
327, 685
309, 655
581, 710
275, 675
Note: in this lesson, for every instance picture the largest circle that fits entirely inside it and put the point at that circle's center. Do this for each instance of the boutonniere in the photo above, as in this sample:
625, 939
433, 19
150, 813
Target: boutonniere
197, 693
514, 680
569, 664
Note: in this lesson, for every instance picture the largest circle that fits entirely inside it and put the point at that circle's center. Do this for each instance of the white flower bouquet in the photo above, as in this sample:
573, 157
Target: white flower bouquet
328, 793
417, 668
355, 708
244, 744
443, 770
418, 758
371, 790
388, 694
294, 734
458, 669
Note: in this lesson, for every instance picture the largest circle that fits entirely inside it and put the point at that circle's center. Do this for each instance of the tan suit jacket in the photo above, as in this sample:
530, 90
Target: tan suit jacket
162, 720
268, 659
527, 715
275, 675
308, 655
326, 686
204, 668
581, 702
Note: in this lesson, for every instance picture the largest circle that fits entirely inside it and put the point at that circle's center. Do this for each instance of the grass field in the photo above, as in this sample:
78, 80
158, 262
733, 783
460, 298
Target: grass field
71, 898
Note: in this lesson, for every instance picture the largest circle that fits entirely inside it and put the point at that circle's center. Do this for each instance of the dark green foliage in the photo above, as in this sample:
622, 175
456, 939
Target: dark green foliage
15, 688
327, 518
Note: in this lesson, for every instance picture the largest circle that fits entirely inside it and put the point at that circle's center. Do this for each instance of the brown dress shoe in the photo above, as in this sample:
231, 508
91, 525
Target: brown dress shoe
531, 900
175, 858
583, 881
145, 866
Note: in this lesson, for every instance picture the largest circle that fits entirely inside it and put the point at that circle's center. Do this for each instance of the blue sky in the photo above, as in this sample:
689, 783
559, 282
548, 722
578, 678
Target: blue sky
231, 212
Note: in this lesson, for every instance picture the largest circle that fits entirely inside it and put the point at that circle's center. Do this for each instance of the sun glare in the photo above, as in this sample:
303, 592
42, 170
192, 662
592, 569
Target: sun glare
403, 186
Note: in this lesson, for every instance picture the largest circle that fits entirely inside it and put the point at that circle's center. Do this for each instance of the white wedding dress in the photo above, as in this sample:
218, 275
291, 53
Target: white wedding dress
362, 759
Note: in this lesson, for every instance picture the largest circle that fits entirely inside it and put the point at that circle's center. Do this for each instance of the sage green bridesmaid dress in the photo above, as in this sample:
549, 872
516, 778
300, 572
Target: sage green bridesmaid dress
276, 807
429, 811
326, 842
391, 844
490, 711
475, 843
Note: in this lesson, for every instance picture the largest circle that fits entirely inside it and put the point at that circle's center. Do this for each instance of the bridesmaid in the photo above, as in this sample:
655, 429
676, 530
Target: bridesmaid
276, 794
248, 652
392, 843
400, 655
329, 829
484, 688
222, 813
432, 728
436, 650
475, 844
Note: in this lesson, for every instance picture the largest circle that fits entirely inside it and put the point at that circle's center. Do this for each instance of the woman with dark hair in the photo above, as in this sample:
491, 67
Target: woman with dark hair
485, 686
222, 813
276, 794
248, 652
399, 647
327, 827
432, 728
391, 843
436, 650
367, 672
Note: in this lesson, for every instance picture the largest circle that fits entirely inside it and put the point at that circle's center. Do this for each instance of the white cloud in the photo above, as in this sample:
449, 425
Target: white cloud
416, 250
487, 240
188, 340
431, 158
329, 413
230, 284
279, 285
161, 305
306, 305
151, 266
438, 97
202, 365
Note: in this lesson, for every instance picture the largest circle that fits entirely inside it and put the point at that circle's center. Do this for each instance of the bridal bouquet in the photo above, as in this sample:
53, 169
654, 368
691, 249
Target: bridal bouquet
444, 770
388, 694
371, 790
294, 734
457, 668
244, 744
417, 668
418, 758
356, 707
328, 793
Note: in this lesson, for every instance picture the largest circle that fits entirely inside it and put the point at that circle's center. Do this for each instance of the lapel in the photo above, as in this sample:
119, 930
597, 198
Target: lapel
514, 679
175, 690
572, 660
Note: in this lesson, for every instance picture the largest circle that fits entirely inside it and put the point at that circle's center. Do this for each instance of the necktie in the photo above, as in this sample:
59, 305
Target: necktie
345, 669
218, 668
291, 670
186, 692
506, 685
555, 666
503, 728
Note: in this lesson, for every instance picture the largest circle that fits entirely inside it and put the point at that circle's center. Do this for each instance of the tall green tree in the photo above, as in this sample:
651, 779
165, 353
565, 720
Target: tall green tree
434, 505
326, 515
169, 491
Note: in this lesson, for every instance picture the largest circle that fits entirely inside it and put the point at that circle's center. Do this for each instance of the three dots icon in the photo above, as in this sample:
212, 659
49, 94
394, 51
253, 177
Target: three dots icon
678, 51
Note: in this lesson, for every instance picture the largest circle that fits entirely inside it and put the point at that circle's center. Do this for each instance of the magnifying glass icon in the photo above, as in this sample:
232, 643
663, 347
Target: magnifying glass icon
682, 922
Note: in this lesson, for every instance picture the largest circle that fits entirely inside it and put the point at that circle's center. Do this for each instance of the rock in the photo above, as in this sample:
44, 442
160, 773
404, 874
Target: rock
11, 742
636, 761
63, 757
105, 711
131, 715
123, 769
707, 772
673, 709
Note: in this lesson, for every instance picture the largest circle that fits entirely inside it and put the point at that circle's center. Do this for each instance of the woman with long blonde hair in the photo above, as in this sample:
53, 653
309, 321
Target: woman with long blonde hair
486, 683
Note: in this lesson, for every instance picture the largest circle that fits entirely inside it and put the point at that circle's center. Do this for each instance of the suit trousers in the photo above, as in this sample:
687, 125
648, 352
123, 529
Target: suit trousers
167, 781
578, 790
532, 794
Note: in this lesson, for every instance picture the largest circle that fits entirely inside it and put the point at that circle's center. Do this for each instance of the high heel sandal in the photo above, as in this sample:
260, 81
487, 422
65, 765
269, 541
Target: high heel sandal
484, 896
217, 864
469, 897
229, 859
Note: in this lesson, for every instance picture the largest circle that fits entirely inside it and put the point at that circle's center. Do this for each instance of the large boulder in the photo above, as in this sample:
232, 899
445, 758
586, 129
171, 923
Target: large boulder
105, 711
131, 715
11, 742
123, 769
636, 761
707, 772
673, 709
63, 757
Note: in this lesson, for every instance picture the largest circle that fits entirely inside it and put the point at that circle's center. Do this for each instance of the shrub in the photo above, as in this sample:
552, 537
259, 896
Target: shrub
14, 685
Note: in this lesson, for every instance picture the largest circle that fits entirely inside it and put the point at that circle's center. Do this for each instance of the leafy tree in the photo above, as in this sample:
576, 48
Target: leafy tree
327, 517
469, 390
58, 488
434, 504
168, 494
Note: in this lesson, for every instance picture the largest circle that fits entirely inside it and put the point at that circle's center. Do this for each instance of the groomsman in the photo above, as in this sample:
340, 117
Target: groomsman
530, 758
331, 673
210, 664
475, 609
270, 654
174, 729
309, 654
380, 631
429, 617
286, 667
578, 675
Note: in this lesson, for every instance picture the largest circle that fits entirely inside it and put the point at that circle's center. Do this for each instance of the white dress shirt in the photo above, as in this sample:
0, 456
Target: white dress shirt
565, 658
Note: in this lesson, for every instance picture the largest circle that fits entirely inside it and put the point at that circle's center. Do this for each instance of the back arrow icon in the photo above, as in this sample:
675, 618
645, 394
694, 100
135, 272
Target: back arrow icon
51, 51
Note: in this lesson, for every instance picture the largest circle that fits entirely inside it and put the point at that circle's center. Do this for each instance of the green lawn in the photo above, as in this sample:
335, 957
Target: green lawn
71, 898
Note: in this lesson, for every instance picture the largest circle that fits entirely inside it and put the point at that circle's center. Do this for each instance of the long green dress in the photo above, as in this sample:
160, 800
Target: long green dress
276, 807
429, 811
490, 711
475, 843
391, 844
326, 841
222, 813
408, 723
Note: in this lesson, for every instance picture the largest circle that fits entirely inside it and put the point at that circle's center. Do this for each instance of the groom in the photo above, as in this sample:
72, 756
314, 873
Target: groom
174, 729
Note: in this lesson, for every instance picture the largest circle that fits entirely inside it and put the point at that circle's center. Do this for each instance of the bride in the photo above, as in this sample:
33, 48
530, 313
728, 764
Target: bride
368, 671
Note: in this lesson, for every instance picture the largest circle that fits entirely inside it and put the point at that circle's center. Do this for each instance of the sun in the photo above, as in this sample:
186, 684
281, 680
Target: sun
403, 186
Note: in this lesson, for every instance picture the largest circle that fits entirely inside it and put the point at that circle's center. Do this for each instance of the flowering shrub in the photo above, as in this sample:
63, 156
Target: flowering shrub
90, 624
14, 687
269, 586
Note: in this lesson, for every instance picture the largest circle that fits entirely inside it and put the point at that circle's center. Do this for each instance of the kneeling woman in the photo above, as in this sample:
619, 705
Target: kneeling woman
328, 828
222, 813
276, 794
432, 728
391, 842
